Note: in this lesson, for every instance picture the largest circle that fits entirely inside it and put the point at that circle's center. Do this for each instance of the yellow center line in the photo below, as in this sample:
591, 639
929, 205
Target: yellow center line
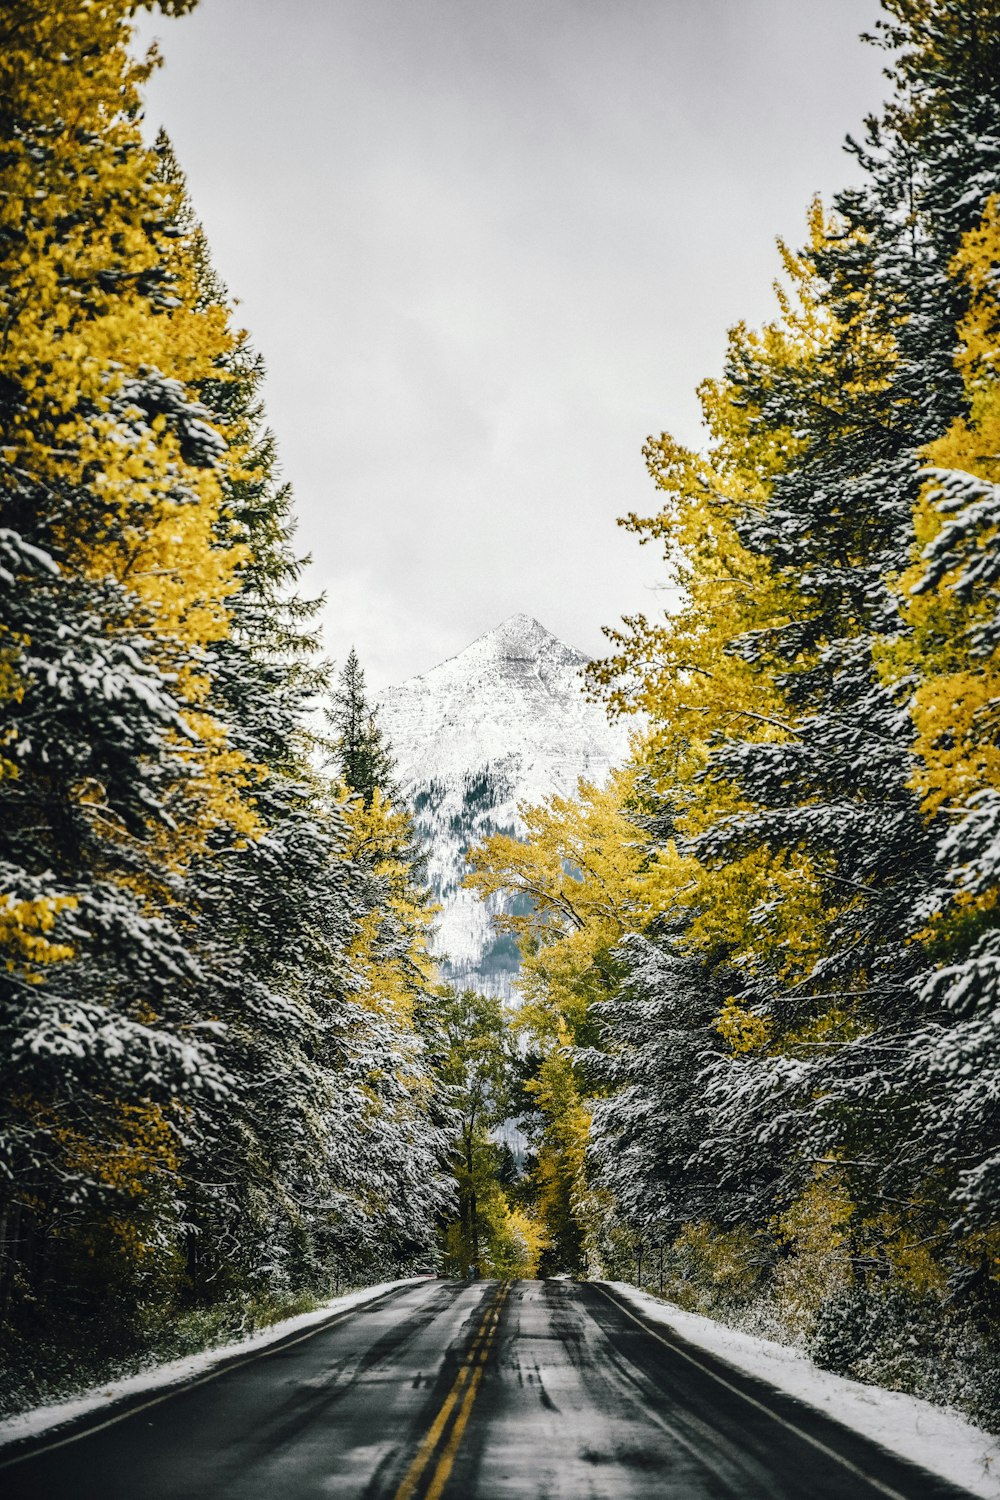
423, 1455
447, 1459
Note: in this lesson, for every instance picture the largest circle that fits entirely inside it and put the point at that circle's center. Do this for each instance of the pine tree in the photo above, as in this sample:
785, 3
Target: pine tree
827, 866
658, 1030
948, 659
362, 759
116, 774
326, 1147
213, 1082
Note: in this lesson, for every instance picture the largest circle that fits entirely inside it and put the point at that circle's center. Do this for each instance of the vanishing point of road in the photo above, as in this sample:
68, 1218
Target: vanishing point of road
532, 1390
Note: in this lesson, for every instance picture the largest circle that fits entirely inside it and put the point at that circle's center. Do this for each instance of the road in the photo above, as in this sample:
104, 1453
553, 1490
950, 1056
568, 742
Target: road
444, 1391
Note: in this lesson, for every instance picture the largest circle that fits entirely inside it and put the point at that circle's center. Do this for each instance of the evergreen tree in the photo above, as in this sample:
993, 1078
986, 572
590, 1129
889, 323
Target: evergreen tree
649, 1128
327, 1148
116, 773
214, 1083
361, 757
818, 774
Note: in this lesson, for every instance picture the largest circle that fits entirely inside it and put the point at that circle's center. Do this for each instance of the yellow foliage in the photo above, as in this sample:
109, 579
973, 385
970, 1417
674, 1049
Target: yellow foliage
529, 1240
744, 1031
954, 706
98, 296
559, 1175
24, 926
718, 1264
817, 1231
515, 1242
817, 1222
580, 866
912, 1263
133, 1158
762, 906
577, 863
379, 834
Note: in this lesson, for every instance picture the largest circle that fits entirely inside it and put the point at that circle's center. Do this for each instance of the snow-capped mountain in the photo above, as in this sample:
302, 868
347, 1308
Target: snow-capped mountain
505, 721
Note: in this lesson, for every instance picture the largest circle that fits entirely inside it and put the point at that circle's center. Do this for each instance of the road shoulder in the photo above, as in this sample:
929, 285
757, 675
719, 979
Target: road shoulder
29, 1430
934, 1438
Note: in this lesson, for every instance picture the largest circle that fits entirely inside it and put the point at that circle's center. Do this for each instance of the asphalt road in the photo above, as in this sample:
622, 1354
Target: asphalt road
443, 1391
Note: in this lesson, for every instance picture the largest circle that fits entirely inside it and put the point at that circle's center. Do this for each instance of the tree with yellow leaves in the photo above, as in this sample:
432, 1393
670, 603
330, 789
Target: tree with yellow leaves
950, 654
212, 1085
577, 877
820, 758
116, 574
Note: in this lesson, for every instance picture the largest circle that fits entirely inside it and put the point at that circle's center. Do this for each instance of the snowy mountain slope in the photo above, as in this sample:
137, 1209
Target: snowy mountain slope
503, 722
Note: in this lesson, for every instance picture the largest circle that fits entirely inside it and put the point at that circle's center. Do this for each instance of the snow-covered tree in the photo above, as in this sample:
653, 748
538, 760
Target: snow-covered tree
361, 757
116, 773
819, 769
214, 1082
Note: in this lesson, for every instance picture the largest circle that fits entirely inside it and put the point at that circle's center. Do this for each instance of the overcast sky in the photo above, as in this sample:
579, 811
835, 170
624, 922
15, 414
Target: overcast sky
485, 247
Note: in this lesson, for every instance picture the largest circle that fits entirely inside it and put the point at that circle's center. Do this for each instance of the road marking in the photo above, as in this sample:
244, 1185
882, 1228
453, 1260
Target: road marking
447, 1459
181, 1386
471, 1371
430, 1442
876, 1484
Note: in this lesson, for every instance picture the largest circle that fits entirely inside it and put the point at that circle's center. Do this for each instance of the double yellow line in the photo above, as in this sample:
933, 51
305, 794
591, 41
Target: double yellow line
468, 1377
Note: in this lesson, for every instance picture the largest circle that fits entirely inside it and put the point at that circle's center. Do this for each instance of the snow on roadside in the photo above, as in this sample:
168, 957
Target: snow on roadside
935, 1437
42, 1418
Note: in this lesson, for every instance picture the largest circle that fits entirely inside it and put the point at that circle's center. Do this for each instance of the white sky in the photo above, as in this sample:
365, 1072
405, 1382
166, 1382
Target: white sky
485, 247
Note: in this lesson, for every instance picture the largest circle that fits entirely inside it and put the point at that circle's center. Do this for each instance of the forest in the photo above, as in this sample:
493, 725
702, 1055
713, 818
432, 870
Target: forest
220, 1057
755, 1057
762, 969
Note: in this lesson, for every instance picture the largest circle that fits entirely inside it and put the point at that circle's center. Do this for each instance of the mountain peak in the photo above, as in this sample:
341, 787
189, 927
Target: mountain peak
504, 722
518, 631
520, 638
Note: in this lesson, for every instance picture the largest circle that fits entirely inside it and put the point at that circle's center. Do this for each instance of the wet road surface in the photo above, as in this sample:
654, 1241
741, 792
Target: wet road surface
446, 1391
